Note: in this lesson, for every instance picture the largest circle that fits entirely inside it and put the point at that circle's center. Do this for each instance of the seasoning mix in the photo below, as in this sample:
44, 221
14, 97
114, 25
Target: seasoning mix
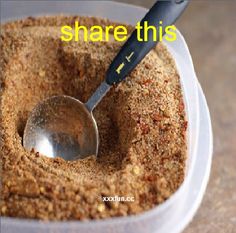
141, 122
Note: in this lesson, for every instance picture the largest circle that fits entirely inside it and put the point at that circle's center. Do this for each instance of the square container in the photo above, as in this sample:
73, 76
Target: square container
176, 212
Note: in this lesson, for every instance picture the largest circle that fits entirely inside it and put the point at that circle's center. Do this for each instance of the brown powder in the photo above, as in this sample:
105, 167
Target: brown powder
141, 124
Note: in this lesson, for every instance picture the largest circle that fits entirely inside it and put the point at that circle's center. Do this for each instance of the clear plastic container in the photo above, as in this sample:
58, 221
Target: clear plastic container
175, 213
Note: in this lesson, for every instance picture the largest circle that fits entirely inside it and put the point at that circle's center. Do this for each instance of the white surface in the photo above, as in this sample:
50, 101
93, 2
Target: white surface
177, 211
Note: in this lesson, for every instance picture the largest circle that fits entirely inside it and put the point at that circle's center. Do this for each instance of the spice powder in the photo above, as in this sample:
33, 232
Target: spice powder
141, 123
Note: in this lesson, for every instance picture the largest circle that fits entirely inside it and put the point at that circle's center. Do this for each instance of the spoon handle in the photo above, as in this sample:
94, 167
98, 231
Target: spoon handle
133, 51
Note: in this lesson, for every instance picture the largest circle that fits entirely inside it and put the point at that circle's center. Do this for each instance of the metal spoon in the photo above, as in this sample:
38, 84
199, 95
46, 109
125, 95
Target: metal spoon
65, 127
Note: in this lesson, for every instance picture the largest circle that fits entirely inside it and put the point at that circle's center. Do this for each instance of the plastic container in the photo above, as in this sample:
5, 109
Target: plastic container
175, 213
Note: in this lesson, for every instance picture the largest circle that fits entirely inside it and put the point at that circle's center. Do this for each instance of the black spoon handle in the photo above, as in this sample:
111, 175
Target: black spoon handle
133, 51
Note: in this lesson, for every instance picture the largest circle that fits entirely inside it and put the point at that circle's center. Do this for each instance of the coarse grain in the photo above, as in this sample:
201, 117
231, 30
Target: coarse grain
141, 123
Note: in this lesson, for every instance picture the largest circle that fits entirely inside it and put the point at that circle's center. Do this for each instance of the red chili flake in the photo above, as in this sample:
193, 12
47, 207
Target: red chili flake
185, 125
148, 66
146, 82
156, 117
150, 178
181, 106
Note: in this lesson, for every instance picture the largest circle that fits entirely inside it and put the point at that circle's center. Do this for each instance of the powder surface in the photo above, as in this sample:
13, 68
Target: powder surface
141, 123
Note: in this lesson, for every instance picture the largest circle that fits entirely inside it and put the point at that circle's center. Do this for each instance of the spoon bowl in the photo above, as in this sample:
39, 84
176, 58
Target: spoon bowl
62, 126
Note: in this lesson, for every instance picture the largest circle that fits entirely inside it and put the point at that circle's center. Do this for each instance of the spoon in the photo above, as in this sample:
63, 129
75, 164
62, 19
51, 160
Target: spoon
62, 126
